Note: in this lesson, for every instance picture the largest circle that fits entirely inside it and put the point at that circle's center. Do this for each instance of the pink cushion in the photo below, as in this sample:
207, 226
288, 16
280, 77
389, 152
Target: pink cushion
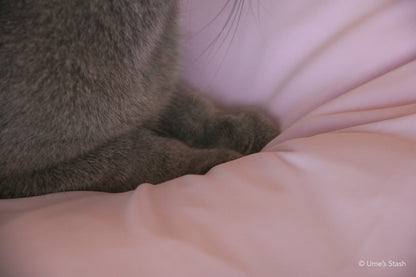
333, 195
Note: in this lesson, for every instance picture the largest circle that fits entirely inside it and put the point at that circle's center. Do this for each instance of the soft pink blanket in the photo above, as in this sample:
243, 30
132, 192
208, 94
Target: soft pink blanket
333, 195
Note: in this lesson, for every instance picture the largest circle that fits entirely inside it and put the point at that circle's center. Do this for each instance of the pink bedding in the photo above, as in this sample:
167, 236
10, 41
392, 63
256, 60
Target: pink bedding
333, 195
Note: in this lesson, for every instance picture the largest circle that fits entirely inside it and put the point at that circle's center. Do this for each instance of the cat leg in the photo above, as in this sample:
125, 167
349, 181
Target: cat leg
196, 121
120, 165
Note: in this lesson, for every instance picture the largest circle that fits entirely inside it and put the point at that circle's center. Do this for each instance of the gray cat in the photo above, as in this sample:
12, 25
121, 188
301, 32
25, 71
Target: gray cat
91, 99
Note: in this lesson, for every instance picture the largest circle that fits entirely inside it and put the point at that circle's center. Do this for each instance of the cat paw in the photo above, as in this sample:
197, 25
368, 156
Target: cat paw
245, 131
259, 130
208, 158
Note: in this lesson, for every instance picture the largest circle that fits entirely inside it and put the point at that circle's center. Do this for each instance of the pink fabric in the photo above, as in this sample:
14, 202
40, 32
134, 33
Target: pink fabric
336, 188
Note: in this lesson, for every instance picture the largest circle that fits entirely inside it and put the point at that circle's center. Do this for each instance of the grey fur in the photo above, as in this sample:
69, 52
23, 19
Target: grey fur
91, 99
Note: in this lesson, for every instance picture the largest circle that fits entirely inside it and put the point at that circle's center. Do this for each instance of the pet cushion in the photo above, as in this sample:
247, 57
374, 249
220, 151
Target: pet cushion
333, 195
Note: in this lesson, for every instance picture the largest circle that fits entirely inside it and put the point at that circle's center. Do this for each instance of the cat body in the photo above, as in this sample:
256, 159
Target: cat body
91, 99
